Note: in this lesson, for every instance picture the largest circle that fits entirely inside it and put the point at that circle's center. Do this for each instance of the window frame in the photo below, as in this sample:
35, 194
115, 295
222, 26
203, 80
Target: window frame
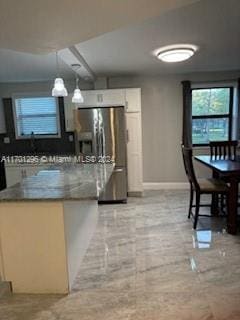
16, 96
217, 116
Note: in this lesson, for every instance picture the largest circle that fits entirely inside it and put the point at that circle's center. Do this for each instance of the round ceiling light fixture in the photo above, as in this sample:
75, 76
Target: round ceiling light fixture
176, 53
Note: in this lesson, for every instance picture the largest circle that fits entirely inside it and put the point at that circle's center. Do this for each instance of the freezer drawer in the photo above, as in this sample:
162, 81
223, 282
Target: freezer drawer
116, 188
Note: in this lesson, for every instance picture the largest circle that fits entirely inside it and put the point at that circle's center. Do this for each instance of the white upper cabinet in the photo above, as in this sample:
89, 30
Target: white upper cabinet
90, 98
129, 98
110, 97
133, 100
113, 97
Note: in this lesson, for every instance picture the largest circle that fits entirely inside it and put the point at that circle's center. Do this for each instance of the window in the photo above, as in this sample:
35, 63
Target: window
211, 115
37, 115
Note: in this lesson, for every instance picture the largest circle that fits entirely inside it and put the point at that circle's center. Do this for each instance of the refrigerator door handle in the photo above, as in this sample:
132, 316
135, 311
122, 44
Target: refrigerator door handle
102, 143
97, 144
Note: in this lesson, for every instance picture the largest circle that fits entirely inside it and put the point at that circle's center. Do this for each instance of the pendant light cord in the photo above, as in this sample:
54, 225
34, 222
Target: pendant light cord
77, 80
57, 65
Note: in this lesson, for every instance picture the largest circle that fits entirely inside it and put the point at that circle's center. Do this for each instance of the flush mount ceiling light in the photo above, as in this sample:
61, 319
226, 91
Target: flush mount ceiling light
176, 53
59, 89
77, 95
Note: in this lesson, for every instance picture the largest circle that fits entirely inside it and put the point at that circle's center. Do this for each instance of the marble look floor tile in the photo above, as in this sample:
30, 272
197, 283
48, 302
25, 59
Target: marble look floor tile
92, 305
166, 306
25, 307
169, 277
145, 262
224, 302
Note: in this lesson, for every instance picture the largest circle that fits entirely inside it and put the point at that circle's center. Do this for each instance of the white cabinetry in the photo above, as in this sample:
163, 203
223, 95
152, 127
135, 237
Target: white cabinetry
90, 98
110, 97
133, 100
129, 98
113, 97
134, 153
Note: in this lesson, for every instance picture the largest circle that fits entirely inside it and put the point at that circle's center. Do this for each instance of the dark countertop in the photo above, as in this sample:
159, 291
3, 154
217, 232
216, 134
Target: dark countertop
68, 181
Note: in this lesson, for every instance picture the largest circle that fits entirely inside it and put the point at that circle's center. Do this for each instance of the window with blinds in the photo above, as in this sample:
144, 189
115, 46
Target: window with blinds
36, 115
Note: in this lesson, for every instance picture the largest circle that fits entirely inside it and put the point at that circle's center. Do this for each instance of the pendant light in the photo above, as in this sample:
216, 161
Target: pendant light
59, 89
77, 95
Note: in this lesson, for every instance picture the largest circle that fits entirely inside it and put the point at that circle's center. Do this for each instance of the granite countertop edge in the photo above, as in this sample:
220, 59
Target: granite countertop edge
95, 198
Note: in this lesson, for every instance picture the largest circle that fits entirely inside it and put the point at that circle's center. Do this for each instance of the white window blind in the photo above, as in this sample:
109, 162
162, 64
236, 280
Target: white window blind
38, 115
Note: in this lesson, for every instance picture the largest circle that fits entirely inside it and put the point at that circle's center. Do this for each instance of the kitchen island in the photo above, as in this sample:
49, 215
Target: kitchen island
46, 224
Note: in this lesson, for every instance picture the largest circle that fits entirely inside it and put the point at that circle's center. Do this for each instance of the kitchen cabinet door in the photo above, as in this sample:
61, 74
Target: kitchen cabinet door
112, 97
109, 97
133, 100
90, 98
134, 153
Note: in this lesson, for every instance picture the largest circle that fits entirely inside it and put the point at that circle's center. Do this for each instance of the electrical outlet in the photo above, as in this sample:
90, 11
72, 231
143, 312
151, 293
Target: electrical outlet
70, 138
6, 140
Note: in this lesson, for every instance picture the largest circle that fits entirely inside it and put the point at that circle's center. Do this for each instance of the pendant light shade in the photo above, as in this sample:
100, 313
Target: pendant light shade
59, 89
77, 95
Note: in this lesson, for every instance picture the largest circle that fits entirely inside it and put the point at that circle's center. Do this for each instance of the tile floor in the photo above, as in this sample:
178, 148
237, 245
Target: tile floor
146, 263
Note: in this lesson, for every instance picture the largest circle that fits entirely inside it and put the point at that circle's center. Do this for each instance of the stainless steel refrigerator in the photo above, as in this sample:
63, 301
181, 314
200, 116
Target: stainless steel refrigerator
100, 132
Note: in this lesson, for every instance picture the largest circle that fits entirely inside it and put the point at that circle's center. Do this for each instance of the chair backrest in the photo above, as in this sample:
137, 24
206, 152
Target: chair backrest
223, 149
188, 165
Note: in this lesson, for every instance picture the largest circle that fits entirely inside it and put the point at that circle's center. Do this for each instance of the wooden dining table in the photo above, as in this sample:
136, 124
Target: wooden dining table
229, 168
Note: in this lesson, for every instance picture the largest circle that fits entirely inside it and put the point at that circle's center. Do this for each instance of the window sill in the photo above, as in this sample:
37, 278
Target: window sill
39, 137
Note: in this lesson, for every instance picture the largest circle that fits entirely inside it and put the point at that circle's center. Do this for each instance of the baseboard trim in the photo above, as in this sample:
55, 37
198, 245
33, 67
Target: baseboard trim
165, 185
137, 194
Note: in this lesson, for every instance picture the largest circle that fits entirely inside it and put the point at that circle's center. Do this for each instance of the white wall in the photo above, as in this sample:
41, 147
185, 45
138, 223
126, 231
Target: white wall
162, 121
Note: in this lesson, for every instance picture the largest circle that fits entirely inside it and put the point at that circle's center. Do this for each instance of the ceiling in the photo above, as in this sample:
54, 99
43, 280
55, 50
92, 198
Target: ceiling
17, 66
212, 25
49, 25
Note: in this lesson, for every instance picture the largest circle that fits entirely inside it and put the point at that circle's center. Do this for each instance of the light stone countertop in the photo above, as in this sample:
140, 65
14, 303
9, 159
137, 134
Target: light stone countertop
68, 181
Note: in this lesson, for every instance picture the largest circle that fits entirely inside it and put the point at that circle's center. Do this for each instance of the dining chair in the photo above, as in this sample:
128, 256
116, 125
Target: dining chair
223, 149
200, 186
